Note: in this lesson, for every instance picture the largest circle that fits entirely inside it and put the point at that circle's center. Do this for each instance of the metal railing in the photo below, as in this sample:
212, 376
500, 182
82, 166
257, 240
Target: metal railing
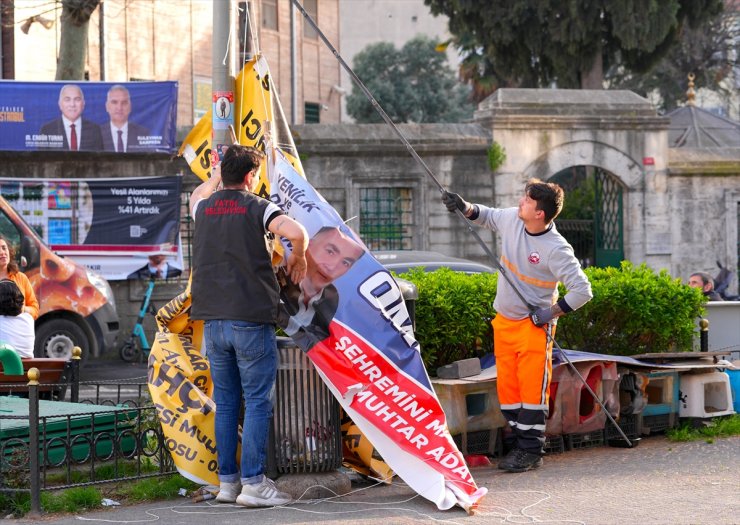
105, 431
77, 444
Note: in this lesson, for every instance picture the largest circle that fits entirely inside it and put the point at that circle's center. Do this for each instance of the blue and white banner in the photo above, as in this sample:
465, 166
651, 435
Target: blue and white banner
127, 117
111, 226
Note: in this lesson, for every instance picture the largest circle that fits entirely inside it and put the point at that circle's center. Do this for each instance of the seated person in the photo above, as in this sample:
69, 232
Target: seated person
704, 282
157, 267
16, 326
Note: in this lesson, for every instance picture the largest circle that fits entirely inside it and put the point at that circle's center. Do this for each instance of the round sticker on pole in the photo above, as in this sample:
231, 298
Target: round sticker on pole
223, 109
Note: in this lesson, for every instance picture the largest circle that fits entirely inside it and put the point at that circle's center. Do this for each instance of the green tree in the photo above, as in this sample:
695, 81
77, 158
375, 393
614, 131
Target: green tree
412, 84
533, 43
73, 38
705, 51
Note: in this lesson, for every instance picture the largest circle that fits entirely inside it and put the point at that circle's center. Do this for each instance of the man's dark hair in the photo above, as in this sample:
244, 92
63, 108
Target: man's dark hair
237, 162
549, 197
705, 278
11, 298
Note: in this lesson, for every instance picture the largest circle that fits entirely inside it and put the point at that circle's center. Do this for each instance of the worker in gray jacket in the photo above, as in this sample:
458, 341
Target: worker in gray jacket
535, 258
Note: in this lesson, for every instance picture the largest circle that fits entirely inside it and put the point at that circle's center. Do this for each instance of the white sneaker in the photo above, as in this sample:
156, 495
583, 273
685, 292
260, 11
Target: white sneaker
263, 494
228, 492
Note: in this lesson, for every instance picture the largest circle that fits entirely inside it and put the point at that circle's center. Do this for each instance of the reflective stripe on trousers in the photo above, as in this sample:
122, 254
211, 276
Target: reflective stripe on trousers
524, 368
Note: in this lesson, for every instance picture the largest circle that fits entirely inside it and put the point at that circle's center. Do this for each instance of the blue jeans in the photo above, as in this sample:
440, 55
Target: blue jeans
243, 360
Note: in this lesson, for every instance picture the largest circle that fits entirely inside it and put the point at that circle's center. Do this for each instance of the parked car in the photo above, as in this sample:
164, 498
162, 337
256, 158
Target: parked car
401, 261
76, 305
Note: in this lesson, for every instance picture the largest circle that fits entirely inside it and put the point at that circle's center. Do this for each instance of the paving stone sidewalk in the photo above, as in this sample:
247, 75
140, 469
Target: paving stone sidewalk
658, 482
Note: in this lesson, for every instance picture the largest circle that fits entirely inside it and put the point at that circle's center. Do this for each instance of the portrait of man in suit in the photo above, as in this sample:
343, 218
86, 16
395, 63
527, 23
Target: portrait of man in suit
308, 307
120, 134
71, 131
157, 267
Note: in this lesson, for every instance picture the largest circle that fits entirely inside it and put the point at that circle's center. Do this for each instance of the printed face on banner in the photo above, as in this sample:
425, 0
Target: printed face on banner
118, 106
330, 255
71, 102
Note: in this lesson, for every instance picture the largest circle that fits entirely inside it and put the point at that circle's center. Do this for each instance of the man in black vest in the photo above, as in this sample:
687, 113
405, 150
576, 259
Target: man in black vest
235, 291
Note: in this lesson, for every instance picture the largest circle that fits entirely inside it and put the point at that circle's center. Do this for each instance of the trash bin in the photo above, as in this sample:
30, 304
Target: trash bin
410, 294
305, 434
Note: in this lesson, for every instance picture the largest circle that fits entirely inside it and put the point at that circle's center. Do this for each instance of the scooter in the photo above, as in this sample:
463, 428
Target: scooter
137, 346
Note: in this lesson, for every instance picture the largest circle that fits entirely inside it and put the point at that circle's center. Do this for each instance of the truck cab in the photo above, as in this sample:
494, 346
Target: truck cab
76, 305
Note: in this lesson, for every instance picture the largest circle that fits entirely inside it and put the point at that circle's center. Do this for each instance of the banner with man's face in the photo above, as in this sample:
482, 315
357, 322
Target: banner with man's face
352, 321
69, 116
348, 315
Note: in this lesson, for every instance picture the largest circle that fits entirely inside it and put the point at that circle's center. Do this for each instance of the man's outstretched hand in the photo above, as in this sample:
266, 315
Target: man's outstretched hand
453, 201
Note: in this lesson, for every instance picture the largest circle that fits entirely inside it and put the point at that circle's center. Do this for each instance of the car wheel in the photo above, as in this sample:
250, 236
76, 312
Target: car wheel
57, 337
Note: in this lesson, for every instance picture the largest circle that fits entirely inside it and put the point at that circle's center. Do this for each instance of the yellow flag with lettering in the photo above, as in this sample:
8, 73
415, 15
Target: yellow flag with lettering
257, 108
259, 111
196, 148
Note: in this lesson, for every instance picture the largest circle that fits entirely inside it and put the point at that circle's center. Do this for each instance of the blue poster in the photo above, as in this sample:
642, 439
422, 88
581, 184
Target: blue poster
127, 117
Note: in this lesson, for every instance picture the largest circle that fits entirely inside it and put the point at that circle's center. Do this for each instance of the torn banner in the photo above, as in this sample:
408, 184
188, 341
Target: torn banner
369, 358
364, 349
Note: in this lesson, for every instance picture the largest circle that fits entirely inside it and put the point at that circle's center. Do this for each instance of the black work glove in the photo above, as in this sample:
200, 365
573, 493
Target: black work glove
541, 316
454, 202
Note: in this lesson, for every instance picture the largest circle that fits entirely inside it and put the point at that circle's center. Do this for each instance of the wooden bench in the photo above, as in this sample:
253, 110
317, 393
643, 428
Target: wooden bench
54, 377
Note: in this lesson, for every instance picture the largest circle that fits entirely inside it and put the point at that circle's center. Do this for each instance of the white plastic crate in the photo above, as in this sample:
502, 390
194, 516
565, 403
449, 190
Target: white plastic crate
705, 395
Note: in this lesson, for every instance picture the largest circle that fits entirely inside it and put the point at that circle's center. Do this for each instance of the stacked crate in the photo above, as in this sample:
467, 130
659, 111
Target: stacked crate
473, 413
705, 395
661, 411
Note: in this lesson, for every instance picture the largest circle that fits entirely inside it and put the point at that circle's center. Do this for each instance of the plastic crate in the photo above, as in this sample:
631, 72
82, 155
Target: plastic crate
554, 445
705, 395
487, 442
630, 425
658, 423
585, 440
662, 394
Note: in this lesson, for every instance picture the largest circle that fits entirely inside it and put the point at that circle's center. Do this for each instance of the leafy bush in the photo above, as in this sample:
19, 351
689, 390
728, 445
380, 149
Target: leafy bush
634, 310
452, 314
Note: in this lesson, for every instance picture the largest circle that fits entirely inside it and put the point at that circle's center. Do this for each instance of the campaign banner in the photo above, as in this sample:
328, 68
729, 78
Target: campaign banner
349, 315
111, 226
125, 117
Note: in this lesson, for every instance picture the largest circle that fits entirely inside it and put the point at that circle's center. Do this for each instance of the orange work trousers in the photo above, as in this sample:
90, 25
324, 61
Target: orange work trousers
524, 368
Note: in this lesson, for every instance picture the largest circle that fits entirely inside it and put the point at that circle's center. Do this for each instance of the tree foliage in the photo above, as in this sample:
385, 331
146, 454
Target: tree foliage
533, 43
413, 84
706, 51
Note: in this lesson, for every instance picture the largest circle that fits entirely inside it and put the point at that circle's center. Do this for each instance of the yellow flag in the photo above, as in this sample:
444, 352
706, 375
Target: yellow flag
196, 148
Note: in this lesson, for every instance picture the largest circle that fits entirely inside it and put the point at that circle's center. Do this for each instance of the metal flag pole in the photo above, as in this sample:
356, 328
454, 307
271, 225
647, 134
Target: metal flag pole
460, 214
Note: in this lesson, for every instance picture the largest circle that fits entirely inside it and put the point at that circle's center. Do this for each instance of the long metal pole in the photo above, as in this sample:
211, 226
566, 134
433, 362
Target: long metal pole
222, 85
409, 148
101, 38
293, 70
477, 237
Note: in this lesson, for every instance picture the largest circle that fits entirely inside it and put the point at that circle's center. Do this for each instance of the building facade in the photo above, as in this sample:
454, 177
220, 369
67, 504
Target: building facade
153, 40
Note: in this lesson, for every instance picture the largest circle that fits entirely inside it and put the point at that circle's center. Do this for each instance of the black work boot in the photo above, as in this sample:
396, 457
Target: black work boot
519, 460
508, 458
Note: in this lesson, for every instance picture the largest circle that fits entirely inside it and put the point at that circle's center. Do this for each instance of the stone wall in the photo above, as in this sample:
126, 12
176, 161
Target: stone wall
680, 208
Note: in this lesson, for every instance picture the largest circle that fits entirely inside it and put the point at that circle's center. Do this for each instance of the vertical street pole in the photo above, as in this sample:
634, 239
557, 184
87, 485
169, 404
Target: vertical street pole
222, 85
293, 70
101, 38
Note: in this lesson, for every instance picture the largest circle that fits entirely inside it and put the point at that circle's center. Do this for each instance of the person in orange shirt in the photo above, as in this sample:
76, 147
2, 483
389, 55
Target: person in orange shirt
9, 270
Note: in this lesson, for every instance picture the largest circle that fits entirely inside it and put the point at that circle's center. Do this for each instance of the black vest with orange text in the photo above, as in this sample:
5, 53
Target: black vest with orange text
232, 270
